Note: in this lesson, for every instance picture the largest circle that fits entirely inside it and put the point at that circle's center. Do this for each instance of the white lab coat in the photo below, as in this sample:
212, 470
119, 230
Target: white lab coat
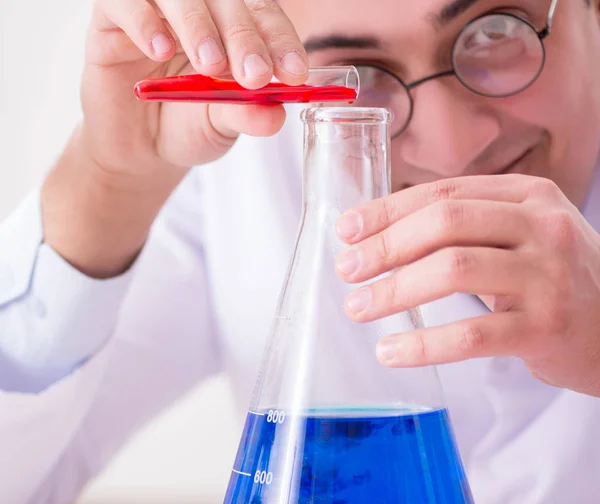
200, 300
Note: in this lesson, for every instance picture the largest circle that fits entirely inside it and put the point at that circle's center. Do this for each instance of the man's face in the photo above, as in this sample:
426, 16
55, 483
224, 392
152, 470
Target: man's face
552, 129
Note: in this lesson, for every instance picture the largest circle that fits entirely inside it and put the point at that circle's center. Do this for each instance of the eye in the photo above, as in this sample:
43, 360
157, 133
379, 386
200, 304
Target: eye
491, 31
378, 88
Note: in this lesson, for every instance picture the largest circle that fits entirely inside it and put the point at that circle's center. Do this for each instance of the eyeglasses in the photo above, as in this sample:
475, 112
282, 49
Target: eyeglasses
495, 55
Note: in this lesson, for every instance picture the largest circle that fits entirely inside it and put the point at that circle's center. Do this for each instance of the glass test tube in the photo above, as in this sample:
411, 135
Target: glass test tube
324, 84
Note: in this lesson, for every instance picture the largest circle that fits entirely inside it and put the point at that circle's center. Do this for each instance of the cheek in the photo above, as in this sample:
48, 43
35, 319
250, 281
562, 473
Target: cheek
403, 174
570, 88
564, 102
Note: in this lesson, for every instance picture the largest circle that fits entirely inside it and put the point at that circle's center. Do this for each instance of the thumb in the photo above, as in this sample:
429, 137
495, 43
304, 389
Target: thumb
195, 134
255, 120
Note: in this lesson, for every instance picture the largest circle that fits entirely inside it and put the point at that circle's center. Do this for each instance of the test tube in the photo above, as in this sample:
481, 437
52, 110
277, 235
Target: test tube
324, 84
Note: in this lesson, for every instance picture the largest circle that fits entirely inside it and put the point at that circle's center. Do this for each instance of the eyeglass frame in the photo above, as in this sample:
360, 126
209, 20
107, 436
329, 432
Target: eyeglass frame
542, 35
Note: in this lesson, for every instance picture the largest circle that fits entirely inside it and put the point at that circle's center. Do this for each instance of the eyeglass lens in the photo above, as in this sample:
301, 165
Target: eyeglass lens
495, 55
498, 55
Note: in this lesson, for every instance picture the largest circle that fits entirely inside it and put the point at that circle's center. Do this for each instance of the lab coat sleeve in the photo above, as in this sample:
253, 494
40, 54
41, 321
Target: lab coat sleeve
155, 340
52, 317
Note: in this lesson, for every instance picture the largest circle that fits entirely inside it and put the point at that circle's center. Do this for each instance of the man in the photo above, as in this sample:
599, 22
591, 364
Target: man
493, 163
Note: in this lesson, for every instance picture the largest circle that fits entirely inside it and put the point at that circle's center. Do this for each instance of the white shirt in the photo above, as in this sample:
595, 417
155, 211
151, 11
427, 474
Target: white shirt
84, 362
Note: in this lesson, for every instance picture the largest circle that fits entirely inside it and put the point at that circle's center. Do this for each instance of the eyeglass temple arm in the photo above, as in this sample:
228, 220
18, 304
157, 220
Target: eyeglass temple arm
550, 17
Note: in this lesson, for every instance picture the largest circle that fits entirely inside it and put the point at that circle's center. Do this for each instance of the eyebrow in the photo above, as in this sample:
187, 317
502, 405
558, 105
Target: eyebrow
335, 41
449, 12
452, 10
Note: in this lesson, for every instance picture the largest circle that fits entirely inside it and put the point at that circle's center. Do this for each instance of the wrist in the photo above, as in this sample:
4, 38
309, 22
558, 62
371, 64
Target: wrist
98, 219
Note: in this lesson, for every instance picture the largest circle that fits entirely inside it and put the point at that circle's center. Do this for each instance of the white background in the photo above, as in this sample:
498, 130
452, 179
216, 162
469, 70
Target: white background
185, 455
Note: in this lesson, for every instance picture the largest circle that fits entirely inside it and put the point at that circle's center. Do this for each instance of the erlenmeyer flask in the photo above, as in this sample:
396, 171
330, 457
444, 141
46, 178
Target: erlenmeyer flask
328, 423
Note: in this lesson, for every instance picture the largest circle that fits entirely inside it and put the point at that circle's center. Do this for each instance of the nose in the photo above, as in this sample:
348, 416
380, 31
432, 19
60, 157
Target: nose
448, 130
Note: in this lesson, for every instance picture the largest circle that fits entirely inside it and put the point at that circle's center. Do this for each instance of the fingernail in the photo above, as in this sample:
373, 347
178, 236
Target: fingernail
387, 351
255, 66
348, 261
161, 44
358, 301
293, 63
210, 53
349, 225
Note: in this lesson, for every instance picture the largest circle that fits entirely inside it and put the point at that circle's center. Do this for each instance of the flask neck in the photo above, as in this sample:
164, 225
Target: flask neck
346, 164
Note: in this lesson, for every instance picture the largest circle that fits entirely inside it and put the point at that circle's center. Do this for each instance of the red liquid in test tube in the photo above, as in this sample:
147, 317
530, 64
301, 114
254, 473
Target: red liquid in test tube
333, 84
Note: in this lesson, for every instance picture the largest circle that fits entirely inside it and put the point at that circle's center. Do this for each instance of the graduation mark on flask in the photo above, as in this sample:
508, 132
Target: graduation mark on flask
261, 476
276, 416
273, 416
242, 473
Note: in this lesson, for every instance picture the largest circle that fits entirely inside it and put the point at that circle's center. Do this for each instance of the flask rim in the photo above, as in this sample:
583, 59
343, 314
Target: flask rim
353, 115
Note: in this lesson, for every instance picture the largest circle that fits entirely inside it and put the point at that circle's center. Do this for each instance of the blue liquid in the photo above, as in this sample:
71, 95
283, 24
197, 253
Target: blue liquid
349, 457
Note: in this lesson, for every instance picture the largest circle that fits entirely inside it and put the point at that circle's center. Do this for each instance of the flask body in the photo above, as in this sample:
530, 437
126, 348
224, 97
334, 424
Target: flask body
328, 423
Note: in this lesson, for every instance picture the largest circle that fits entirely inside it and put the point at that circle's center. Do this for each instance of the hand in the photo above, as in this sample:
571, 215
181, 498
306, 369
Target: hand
127, 157
130, 40
515, 241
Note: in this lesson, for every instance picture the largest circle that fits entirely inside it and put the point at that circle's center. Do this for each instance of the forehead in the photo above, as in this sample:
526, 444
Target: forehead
355, 15
389, 18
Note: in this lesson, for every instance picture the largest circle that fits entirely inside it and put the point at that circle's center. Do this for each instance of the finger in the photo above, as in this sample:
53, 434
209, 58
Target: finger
204, 132
249, 57
441, 224
372, 217
253, 120
141, 23
471, 270
496, 334
287, 52
199, 36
